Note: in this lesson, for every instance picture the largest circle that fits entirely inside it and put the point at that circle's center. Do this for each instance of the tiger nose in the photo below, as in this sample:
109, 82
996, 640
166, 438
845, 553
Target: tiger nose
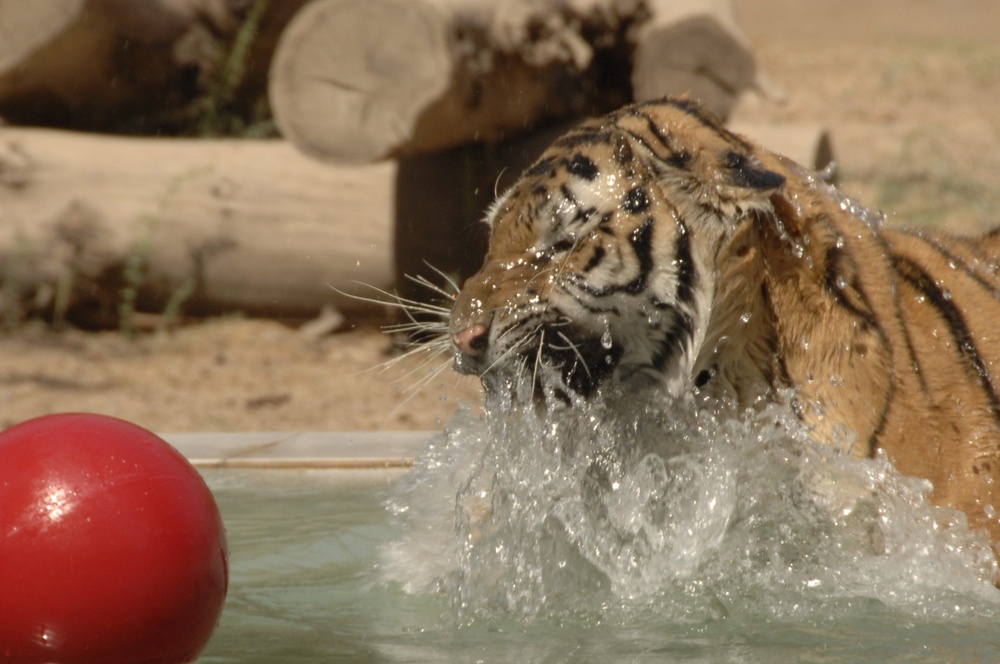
472, 340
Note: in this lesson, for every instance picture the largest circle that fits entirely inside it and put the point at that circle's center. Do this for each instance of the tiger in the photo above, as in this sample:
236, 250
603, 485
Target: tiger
656, 251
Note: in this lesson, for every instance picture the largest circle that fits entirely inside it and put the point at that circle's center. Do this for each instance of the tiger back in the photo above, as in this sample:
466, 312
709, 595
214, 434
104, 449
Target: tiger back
656, 250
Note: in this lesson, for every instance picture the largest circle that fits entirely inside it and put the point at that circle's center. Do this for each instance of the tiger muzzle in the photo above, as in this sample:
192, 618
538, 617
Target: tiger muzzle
471, 343
557, 357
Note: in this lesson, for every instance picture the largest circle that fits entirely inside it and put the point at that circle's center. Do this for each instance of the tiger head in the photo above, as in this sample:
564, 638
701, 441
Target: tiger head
601, 263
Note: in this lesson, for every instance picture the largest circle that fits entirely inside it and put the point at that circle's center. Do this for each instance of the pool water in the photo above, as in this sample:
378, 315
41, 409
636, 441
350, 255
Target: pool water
646, 539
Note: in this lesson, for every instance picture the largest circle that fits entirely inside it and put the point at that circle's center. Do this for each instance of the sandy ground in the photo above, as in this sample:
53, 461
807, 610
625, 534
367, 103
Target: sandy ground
909, 90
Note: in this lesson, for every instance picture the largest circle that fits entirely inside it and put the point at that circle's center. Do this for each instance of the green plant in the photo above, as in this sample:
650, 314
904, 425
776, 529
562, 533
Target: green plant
218, 113
13, 277
173, 309
134, 267
132, 276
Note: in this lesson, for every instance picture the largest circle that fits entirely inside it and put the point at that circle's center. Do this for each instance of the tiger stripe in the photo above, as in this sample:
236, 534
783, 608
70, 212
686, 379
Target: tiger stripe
973, 271
921, 281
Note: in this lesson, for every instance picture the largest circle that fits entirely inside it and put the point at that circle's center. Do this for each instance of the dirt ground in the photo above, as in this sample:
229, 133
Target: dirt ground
909, 91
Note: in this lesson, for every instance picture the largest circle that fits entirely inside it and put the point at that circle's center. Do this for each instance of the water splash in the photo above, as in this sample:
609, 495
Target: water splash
698, 513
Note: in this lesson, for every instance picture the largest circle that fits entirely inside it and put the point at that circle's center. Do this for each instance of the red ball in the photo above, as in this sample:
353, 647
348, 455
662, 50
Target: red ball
112, 549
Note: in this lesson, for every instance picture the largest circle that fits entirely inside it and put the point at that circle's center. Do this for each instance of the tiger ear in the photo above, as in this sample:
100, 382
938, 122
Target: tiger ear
740, 171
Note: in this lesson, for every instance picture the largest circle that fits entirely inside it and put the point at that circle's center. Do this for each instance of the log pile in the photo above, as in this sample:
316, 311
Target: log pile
420, 110
360, 80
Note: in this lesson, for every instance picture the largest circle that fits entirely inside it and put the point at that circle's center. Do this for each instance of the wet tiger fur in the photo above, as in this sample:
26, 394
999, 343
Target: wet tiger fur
656, 250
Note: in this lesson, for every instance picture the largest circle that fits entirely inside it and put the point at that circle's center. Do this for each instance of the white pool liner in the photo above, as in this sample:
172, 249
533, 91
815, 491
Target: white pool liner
345, 450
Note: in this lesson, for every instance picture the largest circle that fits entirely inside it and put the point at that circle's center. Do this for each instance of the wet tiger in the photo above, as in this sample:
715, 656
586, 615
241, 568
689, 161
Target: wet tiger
655, 250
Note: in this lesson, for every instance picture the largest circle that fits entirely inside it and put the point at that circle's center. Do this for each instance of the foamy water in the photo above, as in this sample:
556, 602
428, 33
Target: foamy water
606, 512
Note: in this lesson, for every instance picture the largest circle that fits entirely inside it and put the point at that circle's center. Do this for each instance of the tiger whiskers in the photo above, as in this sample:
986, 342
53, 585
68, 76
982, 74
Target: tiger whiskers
425, 332
576, 351
434, 351
449, 293
517, 345
538, 359
411, 308
415, 387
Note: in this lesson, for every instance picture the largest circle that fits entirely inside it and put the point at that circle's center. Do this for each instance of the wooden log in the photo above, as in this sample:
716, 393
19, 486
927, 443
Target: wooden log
134, 66
359, 80
225, 225
58, 59
693, 47
26, 26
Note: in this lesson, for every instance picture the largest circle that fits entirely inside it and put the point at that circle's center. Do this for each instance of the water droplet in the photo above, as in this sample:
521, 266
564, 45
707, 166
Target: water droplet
840, 282
606, 341
745, 318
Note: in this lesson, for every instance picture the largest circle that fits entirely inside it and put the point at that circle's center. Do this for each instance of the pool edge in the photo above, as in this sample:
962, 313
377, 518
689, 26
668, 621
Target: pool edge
326, 450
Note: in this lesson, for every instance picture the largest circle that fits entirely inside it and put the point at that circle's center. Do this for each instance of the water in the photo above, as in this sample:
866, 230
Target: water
628, 535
